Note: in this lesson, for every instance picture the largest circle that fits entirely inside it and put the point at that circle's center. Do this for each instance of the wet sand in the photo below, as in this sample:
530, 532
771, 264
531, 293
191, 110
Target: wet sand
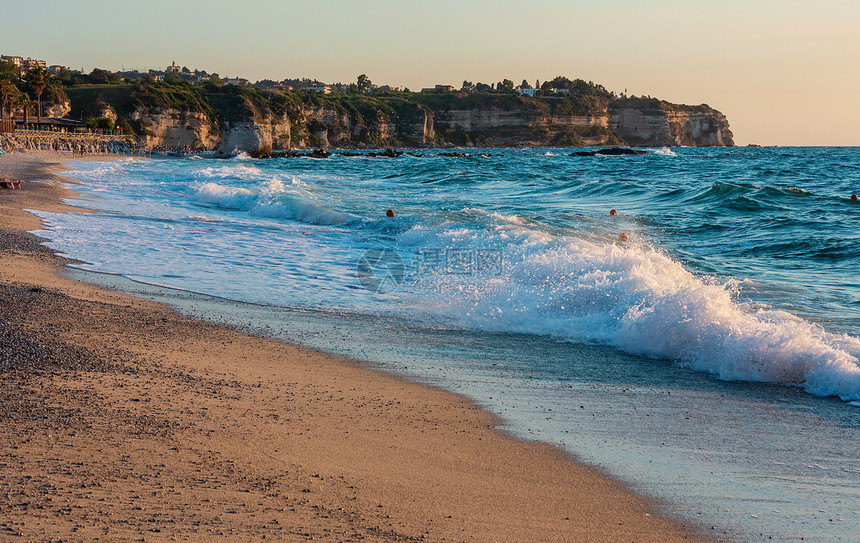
122, 420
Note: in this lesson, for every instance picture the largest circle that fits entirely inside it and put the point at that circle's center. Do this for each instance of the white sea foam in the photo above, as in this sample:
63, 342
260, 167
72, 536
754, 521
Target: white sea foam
273, 200
665, 151
229, 169
88, 170
632, 297
494, 216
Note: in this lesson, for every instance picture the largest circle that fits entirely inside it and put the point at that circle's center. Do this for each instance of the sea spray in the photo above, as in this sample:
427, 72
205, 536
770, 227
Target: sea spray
275, 200
633, 297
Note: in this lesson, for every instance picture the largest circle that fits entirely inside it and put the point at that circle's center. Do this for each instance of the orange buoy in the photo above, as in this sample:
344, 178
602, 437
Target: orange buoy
389, 213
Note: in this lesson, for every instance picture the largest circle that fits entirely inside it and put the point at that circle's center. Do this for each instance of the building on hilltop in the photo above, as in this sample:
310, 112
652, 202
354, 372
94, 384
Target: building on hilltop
17, 61
173, 68
56, 68
238, 81
24, 65
322, 89
440, 88
30, 63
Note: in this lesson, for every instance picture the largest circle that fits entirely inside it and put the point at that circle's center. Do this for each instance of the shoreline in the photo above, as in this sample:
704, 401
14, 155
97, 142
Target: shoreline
119, 425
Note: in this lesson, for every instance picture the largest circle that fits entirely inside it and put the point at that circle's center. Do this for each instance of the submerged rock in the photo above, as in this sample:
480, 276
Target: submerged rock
612, 151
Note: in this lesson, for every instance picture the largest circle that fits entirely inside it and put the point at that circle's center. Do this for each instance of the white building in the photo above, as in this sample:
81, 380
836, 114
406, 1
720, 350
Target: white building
17, 61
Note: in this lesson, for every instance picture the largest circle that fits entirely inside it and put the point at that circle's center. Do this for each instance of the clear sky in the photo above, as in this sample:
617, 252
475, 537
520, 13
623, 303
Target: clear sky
785, 72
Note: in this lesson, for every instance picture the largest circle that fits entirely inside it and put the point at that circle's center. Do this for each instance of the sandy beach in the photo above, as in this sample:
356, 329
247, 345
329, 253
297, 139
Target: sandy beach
122, 420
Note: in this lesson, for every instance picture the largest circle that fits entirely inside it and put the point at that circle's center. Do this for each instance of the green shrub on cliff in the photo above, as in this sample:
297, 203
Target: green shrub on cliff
475, 100
231, 103
82, 98
54, 94
100, 123
282, 103
177, 94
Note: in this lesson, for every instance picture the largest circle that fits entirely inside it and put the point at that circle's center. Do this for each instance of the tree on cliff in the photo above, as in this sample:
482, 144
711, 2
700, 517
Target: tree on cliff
38, 78
9, 70
104, 77
363, 83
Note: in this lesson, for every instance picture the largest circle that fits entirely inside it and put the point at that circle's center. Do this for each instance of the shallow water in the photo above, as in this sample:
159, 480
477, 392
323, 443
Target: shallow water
502, 277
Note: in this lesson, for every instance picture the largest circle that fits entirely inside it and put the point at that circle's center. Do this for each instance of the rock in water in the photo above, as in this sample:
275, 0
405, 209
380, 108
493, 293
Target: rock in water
612, 151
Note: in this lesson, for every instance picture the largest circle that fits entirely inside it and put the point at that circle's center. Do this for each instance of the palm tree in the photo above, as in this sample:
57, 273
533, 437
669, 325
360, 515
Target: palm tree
38, 79
25, 104
8, 90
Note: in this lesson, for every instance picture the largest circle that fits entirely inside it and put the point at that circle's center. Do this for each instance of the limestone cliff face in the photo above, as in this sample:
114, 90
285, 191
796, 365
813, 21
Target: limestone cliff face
415, 125
56, 109
255, 129
516, 127
257, 137
102, 109
637, 122
408, 126
653, 123
322, 126
177, 128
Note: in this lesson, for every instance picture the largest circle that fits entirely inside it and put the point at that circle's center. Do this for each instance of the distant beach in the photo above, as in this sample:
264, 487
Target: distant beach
122, 419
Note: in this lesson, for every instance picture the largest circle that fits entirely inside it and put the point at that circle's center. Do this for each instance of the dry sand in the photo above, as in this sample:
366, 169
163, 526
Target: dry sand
121, 420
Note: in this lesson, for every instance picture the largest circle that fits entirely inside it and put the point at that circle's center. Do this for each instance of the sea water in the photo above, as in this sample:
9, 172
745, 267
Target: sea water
709, 356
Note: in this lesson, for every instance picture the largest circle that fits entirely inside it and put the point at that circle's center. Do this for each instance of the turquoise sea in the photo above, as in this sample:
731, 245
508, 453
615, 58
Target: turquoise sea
701, 343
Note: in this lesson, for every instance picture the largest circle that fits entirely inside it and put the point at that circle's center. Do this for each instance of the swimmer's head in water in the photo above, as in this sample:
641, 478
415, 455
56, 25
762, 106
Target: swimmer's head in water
613, 212
389, 213
622, 236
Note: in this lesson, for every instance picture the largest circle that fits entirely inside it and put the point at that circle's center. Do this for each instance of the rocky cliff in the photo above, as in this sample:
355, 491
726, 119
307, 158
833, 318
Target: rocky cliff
656, 123
233, 120
58, 108
329, 124
636, 122
176, 128
516, 128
